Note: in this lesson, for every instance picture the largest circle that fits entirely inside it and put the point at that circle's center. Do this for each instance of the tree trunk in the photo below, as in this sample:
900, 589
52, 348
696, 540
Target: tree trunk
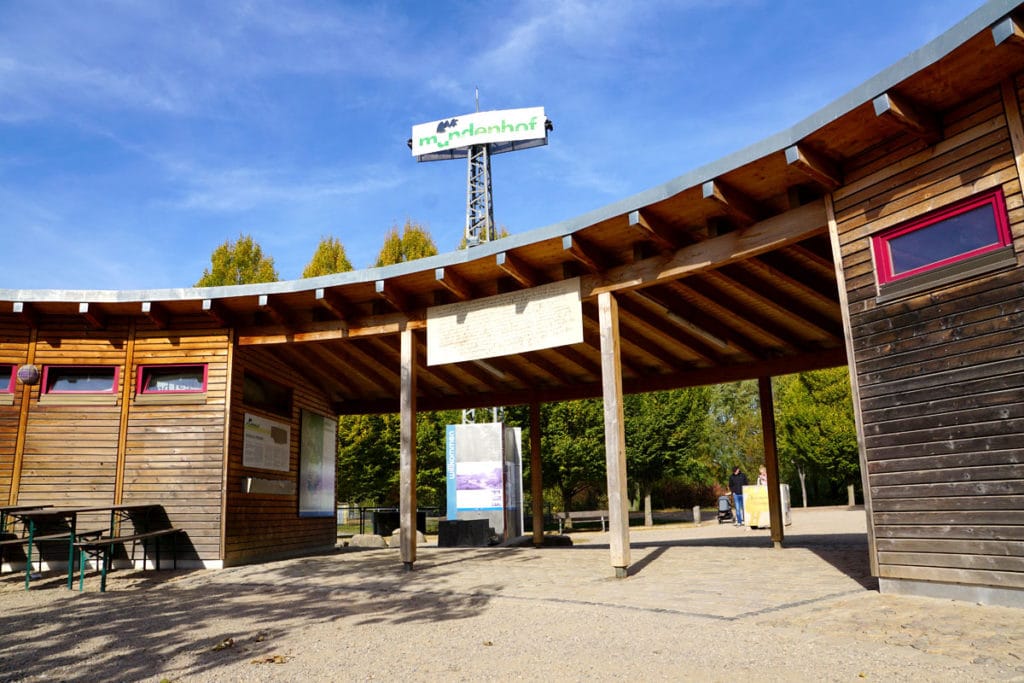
648, 513
803, 484
567, 507
850, 496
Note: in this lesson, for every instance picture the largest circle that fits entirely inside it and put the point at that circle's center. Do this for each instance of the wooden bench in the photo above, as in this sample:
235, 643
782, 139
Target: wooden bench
102, 549
582, 516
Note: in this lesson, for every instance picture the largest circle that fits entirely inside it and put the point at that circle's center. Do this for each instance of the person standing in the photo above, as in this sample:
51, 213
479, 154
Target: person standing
762, 476
736, 483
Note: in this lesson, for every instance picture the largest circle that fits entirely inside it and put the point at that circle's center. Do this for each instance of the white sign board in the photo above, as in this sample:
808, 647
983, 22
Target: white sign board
266, 444
504, 130
528, 320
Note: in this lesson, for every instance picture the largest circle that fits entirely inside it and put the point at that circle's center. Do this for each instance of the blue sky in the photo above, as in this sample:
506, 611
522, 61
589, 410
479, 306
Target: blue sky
137, 136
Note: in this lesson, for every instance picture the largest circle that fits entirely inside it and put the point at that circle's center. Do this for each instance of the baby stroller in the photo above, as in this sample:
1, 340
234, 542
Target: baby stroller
724, 509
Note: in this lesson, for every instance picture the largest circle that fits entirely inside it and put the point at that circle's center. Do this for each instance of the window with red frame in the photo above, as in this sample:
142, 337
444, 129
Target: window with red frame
171, 379
947, 237
80, 379
7, 375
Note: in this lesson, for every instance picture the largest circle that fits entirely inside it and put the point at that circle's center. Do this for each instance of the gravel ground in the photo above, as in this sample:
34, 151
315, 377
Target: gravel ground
707, 603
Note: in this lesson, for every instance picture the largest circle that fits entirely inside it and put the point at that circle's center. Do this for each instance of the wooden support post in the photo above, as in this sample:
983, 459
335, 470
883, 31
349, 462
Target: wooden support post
122, 429
614, 433
771, 460
407, 475
536, 483
26, 400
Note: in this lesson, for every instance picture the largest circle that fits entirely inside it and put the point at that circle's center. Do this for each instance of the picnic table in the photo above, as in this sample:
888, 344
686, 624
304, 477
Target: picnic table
47, 523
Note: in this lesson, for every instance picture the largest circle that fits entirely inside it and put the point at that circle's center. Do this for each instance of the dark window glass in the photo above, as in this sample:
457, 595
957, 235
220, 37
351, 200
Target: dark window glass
78, 379
264, 394
157, 379
6, 378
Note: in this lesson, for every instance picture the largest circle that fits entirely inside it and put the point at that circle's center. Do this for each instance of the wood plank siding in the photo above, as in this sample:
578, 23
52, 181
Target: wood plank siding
261, 525
84, 451
941, 372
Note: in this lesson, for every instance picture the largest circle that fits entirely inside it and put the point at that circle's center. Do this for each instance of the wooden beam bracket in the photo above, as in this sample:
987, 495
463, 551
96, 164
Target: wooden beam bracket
584, 252
156, 314
1008, 31
815, 166
390, 293
653, 231
739, 206
454, 283
92, 315
520, 271
906, 115
25, 311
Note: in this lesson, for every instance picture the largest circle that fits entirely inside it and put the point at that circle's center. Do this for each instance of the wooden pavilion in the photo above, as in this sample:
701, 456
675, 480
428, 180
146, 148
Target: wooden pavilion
836, 242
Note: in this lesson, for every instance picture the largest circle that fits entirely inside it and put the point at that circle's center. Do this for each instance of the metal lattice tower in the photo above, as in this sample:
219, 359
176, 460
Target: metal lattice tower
479, 204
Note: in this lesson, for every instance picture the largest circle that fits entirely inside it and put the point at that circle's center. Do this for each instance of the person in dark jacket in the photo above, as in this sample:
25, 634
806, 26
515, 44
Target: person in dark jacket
736, 483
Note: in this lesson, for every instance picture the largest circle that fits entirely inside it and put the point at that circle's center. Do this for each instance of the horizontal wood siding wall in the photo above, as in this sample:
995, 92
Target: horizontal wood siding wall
71, 450
14, 340
941, 374
174, 452
260, 525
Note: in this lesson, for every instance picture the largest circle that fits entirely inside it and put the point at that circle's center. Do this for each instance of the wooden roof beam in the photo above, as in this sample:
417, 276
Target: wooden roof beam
393, 295
815, 166
1008, 31
894, 108
585, 253
739, 206
700, 325
92, 315
333, 303
216, 310
276, 310
156, 314
26, 313
520, 271
454, 283
653, 231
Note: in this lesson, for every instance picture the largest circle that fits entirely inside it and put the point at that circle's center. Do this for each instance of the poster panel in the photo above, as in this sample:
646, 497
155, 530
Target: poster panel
317, 455
266, 443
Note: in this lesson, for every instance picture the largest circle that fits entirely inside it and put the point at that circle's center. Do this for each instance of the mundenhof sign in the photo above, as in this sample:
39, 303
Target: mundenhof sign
504, 130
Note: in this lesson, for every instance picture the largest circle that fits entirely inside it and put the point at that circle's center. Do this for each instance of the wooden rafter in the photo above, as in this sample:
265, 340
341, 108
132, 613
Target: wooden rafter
334, 303
638, 324
156, 314
893, 107
696, 322
815, 166
454, 283
821, 301
25, 312
737, 205
391, 293
328, 364
585, 253
216, 310
653, 231
280, 314
93, 315
520, 271
734, 313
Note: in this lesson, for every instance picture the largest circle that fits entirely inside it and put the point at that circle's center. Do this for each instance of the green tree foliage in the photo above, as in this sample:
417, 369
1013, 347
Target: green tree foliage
413, 243
572, 447
369, 458
735, 437
238, 263
329, 258
816, 430
665, 435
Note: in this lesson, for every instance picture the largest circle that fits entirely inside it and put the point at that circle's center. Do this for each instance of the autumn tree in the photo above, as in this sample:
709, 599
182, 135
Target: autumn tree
329, 258
572, 443
413, 243
238, 263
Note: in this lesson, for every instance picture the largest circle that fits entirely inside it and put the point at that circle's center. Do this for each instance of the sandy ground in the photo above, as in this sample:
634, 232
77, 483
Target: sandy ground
708, 603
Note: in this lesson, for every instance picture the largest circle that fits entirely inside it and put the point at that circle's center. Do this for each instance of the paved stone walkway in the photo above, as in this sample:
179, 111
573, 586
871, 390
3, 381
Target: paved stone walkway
708, 603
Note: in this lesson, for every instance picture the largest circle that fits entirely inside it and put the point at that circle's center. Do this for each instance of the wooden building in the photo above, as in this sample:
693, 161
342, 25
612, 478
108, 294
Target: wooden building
883, 232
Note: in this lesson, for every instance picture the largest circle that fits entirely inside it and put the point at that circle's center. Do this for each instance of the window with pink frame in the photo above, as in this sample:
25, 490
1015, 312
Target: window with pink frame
171, 379
943, 239
80, 379
7, 374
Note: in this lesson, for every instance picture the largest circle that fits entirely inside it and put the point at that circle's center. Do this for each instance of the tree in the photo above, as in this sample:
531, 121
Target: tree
735, 437
237, 264
664, 434
572, 443
816, 430
368, 459
413, 243
329, 258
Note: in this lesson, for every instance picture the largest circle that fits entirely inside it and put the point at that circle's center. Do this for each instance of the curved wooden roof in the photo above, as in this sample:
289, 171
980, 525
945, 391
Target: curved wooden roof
724, 273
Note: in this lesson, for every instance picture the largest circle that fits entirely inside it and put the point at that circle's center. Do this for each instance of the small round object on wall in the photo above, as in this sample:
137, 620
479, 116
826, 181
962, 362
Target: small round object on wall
29, 374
